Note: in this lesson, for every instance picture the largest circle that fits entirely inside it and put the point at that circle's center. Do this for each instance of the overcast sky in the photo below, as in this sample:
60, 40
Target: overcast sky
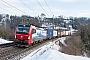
76, 8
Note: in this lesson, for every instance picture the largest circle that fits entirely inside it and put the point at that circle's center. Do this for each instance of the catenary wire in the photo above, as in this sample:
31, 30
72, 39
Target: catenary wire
8, 7
28, 7
48, 7
13, 7
42, 7
7, 10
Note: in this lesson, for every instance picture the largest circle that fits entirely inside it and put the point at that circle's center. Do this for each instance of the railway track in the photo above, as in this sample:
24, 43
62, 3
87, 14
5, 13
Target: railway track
7, 45
13, 52
8, 52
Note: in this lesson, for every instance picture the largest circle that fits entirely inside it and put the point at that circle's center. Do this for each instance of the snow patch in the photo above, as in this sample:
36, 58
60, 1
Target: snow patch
3, 41
85, 54
62, 40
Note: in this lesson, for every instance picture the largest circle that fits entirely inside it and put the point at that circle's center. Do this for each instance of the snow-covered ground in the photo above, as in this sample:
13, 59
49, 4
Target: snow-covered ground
51, 52
3, 41
55, 55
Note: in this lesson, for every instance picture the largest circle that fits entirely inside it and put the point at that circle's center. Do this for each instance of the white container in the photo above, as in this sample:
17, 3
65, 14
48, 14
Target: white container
54, 33
67, 33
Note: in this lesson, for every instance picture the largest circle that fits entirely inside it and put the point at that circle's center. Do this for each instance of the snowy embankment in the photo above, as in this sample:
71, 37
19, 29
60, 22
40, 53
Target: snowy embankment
51, 52
3, 41
62, 40
56, 55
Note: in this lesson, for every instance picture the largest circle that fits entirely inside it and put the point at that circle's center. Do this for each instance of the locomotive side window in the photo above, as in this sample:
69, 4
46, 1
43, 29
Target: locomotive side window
33, 31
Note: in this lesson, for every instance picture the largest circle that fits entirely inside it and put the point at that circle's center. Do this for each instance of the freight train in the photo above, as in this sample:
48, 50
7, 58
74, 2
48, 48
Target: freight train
27, 35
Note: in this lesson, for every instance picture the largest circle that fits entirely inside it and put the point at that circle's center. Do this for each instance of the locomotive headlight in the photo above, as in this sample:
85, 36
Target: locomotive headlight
28, 37
15, 36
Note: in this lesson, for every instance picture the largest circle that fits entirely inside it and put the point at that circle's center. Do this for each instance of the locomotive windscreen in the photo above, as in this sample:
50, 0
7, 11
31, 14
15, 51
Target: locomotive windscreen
23, 29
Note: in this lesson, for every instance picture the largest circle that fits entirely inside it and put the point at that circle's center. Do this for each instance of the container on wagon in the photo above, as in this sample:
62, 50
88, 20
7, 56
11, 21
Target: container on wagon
67, 33
63, 33
49, 33
55, 33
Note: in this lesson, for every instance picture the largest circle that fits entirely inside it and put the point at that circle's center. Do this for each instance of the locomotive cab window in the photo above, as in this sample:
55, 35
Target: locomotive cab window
33, 31
23, 29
